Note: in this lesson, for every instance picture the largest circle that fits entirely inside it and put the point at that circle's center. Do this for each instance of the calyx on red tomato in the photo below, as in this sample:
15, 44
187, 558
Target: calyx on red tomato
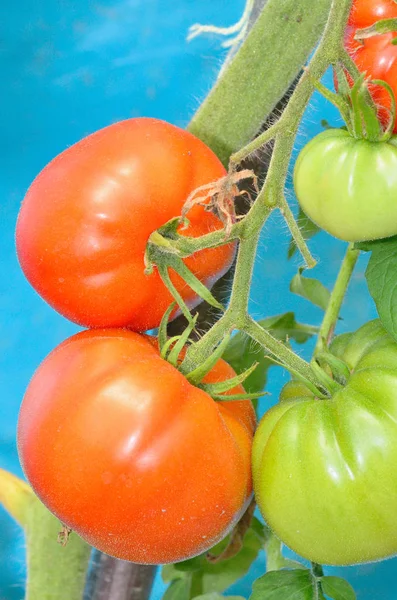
325, 471
124, 450
376, 55
348, 186
85, 221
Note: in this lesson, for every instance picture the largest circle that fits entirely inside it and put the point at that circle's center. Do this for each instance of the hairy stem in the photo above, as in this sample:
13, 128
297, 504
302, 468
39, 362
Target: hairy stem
270, 197
336, 299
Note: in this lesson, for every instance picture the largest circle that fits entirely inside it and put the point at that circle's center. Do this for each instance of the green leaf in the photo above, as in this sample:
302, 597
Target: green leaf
297, 584
178, 590
242, 352
337, 588
381, 275
307, 227
216, 596
311, 289
216, 577
170, 573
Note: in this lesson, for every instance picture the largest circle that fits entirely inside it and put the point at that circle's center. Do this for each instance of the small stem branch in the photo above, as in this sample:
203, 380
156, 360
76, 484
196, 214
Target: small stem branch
297, 234
281, 352
186, 246
235, 314
336, 299
349, 63
262, 139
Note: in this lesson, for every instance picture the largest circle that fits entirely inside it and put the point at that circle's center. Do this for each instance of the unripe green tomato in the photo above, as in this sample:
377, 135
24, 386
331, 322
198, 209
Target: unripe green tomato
348, 187
325, 470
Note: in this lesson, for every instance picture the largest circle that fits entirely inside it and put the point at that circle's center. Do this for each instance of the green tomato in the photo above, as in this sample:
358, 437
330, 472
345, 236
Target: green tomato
325, 470
348, 187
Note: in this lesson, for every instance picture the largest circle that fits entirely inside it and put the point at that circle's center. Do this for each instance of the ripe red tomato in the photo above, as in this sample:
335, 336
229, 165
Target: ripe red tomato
124, 450
85, 221
367, 12
376, 55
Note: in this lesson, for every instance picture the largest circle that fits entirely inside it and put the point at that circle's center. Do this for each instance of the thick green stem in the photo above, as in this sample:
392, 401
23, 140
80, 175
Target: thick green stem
55, 572
259, 74
336, 299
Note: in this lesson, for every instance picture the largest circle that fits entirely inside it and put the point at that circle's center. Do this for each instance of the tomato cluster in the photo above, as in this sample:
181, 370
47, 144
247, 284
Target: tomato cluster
114, 439
347, 184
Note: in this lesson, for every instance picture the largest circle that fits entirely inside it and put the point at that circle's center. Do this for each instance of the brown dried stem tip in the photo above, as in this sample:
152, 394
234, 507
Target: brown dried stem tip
219, 197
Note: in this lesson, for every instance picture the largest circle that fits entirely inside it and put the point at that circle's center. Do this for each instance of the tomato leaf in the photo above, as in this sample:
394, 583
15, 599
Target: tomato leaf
308, 230
337, 588
381, 275
216, 596
311, 289
297, 584
242, 352
216, 577
179, 589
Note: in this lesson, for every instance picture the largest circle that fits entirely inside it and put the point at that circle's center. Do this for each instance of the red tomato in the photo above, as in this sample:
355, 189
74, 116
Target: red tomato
124, 450
84, 223
376, 56
367, 12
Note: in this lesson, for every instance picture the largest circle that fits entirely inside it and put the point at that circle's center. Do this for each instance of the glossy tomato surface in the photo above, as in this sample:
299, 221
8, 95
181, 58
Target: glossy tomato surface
325, 471
85, 221
376, 56
348, 187
124, 450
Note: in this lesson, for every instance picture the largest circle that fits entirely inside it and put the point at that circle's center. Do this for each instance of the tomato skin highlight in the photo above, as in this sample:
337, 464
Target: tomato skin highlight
325, 471
85, 221
348, 187
124, 450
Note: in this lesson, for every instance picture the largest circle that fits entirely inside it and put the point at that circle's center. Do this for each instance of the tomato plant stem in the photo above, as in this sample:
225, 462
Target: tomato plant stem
250, 87
286, 356
272, 196
336, 299
54, 571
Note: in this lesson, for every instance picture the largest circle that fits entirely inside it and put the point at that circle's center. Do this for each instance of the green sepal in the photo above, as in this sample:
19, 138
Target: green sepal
234, 397
378, 28
343, 84
390, 126
229, 384
165, 276
194, 283
337, 100
365, 116
167, 345
181, 342
329, 384
198, 374
162, 331
339, 368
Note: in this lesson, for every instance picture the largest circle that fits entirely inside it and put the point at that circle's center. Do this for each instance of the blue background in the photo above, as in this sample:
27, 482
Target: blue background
69, 68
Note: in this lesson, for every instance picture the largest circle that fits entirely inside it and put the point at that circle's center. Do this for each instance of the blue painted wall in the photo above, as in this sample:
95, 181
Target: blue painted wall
69, 68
